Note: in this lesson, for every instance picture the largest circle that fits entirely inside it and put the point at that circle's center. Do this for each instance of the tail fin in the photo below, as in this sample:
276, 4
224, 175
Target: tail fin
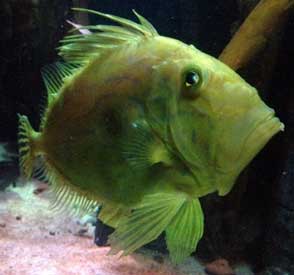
26, 145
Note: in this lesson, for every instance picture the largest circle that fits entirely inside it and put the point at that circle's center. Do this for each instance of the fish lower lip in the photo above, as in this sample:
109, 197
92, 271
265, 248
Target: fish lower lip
268, 127
272, 119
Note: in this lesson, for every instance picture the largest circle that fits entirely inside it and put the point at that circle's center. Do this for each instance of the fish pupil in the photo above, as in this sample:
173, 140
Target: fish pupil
192, 78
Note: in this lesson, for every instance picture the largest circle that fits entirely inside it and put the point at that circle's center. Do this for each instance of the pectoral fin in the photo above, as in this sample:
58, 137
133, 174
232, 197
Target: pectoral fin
185, 230
147, 221
143, 149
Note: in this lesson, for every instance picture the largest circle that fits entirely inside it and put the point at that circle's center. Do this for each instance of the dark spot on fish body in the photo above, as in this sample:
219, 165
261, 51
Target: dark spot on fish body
112, 122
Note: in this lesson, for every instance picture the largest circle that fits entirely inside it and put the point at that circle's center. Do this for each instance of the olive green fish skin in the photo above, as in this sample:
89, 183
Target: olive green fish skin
88, 123
151, 126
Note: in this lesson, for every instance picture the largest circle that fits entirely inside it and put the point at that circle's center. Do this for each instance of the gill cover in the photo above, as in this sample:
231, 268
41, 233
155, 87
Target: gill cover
177, 118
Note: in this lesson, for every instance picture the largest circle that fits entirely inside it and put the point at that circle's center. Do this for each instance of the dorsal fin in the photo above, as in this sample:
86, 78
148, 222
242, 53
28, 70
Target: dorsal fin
83, 47
54, 76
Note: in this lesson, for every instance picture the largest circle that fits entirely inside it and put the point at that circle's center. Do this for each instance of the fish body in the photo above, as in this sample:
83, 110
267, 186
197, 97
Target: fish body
144, 125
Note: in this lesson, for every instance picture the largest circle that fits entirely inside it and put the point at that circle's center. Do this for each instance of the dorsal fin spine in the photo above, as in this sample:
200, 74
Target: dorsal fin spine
85, 46
124, 22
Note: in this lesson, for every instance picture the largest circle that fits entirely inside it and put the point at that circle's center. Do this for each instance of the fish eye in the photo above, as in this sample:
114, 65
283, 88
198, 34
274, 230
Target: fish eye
192, 78
192, 81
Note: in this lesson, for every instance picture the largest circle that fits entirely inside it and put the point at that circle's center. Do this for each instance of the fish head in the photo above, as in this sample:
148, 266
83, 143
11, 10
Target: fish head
212, 118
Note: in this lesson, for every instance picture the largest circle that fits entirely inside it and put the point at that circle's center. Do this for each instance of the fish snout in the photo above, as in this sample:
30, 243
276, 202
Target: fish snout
243, 136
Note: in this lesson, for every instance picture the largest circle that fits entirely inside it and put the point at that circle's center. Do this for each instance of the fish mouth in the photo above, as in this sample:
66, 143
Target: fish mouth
257, 138
263, 131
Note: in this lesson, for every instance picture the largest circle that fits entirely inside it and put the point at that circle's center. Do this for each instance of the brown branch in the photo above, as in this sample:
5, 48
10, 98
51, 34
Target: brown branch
265, 19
